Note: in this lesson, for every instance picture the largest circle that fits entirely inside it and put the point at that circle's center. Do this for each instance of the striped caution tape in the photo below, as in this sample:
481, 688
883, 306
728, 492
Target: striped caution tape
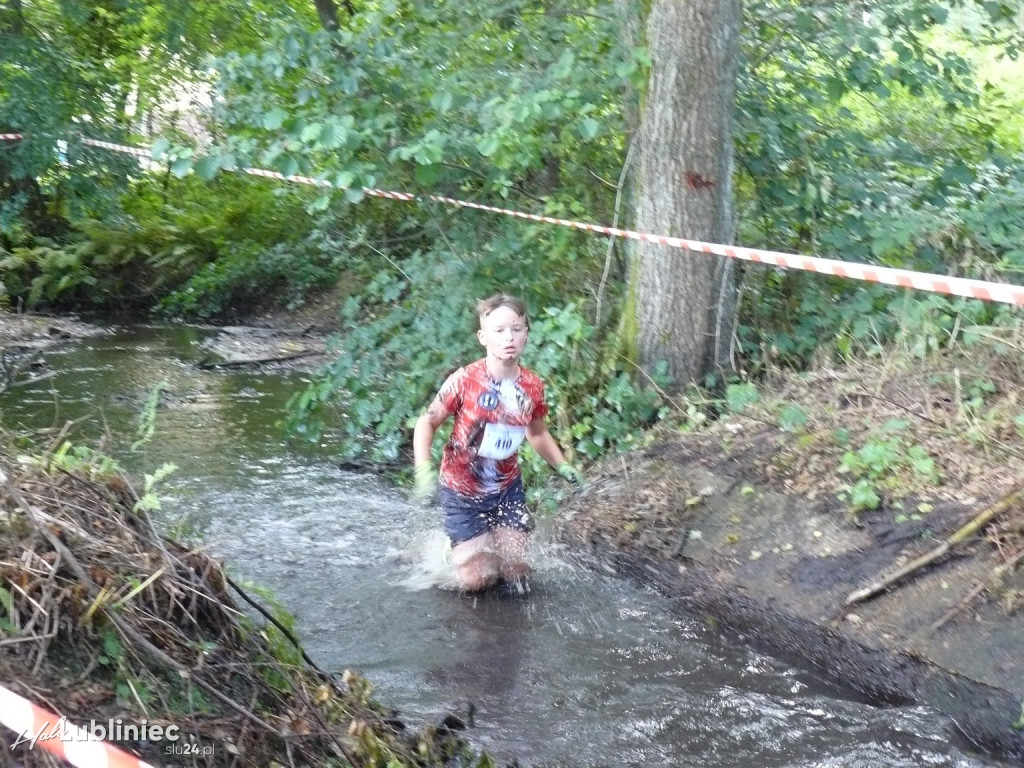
904, 278
36, 726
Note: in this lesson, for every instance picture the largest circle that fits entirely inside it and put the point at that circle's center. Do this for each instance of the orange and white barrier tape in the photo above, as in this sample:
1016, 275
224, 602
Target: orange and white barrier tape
36, 726
904, 278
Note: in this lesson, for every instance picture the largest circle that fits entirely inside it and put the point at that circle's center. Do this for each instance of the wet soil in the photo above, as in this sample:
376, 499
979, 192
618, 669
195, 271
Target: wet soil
295, 349
279, 339
749, 521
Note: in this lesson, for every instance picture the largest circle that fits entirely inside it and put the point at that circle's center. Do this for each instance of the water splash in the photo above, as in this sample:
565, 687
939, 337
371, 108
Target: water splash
428, 557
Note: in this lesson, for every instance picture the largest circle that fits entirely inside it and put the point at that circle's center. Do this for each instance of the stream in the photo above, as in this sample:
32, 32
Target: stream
588, 669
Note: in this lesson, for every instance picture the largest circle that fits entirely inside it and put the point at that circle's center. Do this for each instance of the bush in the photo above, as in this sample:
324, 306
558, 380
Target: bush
196, 246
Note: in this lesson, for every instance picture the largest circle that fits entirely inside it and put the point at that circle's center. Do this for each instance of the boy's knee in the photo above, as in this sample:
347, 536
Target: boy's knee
514, 570
477, 582
479, 572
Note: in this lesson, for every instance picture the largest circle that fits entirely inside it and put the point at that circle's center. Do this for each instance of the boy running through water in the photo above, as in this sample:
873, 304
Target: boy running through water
496, 403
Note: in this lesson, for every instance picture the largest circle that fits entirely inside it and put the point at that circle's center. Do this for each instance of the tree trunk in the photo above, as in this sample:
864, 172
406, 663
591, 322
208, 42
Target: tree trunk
11, 17
328, 13
681, 302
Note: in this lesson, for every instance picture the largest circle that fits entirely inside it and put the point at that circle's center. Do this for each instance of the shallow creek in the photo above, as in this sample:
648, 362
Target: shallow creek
586, 670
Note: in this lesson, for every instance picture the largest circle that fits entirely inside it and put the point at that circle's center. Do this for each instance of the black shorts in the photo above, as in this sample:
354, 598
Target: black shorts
466, 517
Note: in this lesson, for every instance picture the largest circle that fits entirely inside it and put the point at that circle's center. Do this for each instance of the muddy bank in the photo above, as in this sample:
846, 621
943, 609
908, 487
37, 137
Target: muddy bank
23, 339
729, 521
279, 340
270, 343
294, 349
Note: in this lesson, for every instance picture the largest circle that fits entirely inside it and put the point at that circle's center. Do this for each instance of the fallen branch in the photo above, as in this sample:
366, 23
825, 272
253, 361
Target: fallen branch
281, 628
28, 382
11, 368
978, 589
208, 364
975, 525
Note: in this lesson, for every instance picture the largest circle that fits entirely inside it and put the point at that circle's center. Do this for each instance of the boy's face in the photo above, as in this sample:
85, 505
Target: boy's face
503, 333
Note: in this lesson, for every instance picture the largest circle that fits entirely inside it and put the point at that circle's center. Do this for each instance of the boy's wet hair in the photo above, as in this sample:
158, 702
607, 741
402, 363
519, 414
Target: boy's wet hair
484, 307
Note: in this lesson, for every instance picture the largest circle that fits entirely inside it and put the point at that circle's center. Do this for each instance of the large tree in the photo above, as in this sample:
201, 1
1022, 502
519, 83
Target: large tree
681, 302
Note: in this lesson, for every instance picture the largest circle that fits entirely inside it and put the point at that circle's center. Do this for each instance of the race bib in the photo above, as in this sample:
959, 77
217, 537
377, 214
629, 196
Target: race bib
500, 441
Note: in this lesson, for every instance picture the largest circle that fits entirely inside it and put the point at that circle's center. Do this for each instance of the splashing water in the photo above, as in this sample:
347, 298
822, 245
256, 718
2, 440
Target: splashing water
429, 559
430, 563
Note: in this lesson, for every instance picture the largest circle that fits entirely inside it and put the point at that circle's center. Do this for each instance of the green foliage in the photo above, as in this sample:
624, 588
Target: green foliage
792, 417
280, 275
82, 459
7, 603
102, 68
739, 396
278, 644
195, 250
596, 406
112, 648
864, 135
149, 501
147, 417
46, 272
448, 96
885, 463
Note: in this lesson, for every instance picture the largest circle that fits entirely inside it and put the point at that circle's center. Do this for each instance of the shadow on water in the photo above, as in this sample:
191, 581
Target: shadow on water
586, 670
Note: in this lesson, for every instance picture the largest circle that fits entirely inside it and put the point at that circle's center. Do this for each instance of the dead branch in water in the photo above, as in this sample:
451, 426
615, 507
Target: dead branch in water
208, 364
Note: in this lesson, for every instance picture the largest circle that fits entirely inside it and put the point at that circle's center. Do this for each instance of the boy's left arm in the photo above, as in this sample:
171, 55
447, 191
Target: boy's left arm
543, 443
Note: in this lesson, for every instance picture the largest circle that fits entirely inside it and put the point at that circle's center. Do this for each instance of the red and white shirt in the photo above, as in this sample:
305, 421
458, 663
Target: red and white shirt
491, 418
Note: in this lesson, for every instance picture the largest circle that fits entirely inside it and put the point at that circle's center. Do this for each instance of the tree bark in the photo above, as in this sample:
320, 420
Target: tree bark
12, 17
327, 10
681, 304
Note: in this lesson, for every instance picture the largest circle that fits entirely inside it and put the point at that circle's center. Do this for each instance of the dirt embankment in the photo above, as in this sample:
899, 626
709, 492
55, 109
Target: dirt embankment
763, 522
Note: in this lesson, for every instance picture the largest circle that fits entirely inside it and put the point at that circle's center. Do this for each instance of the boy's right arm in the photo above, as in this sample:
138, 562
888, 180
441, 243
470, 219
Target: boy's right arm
422, 442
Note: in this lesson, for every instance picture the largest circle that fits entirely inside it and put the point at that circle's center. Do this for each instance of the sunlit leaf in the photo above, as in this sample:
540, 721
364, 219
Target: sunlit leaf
274, 119
207, 167
181, 166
